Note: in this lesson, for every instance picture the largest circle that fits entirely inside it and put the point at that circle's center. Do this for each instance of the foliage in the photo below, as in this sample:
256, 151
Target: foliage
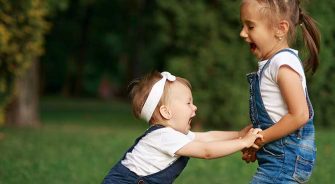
322, 83
22, 27
118, 42
198, 40
207, 50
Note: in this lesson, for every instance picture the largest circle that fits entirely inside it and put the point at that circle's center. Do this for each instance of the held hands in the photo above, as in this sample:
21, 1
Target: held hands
249, 154
244, 131
250, 138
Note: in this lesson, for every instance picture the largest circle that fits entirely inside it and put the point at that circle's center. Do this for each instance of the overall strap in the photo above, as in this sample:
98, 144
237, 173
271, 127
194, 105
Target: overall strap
267, 63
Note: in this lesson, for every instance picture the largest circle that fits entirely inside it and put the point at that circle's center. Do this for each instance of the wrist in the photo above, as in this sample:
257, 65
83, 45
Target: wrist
243, 143
243, 131
239, 134
259, 142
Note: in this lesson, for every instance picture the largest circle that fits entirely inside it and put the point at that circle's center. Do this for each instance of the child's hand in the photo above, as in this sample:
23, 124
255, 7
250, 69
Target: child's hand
249, 155
251, 136
245, 130
249, 152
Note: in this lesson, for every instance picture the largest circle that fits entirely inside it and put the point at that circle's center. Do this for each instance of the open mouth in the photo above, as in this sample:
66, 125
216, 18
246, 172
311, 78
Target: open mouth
252, 46
189, 121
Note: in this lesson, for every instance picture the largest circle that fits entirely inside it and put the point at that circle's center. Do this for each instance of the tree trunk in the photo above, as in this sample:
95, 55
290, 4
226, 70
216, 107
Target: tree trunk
82, 52
23, 110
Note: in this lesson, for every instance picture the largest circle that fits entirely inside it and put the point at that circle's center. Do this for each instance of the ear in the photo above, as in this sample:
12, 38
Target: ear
282, 28
165, 112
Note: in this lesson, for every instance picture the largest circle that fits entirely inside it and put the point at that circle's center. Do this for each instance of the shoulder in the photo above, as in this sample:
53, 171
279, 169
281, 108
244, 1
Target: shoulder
169, 140
286, 58
167, 133
290, 58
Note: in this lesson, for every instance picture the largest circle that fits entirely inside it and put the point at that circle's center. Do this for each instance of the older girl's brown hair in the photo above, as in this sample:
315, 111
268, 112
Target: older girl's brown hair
291, 11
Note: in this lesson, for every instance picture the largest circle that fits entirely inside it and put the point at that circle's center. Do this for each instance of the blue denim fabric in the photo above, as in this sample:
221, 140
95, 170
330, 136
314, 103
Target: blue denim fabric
120, 174
287, 160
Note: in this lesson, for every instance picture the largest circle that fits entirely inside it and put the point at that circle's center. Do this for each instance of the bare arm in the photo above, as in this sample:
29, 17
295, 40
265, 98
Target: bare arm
215, 136
221, 135
216, 149
298, 114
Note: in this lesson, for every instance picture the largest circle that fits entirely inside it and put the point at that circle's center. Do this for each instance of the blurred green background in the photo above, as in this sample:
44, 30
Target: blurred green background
65, 66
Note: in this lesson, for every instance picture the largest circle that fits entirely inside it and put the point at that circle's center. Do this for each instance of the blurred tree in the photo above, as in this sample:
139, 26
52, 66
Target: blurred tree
202, 43
127, 38
322, 83
22, 28
102, 42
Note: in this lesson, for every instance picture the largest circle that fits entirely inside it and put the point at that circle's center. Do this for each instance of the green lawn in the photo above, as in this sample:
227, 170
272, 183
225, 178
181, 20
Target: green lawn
81, 139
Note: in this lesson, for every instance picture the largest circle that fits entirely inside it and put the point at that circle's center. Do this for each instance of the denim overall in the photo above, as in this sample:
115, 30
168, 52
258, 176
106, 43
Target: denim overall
289, 159
120, 174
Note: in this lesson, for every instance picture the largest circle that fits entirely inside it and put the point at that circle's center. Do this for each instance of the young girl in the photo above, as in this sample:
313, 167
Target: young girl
279, 102
161, 153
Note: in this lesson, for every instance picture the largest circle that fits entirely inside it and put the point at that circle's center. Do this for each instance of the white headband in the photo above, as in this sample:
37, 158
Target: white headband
155, 95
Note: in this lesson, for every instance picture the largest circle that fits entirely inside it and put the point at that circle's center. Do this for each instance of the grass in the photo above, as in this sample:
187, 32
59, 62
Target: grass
81, 139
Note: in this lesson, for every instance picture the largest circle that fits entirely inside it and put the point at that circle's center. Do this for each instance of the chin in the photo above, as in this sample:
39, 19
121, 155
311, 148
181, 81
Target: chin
186, 130
257, 56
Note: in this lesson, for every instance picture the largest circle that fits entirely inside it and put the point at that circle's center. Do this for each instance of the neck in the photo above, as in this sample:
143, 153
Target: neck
274, 50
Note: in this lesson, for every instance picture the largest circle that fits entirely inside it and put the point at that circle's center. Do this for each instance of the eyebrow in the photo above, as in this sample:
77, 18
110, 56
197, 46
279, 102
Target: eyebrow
249, 22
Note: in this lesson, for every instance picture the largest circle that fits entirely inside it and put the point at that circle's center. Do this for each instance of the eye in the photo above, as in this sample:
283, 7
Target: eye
250, 27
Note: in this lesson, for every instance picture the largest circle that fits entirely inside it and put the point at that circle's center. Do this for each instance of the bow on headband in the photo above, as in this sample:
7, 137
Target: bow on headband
155, 95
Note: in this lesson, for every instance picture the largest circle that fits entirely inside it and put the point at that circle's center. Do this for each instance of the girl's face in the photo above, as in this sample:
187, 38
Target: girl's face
257, 32
182, 109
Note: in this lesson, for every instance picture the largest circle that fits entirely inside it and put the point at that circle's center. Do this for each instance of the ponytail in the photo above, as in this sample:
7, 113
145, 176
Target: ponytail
311, 38
290, 10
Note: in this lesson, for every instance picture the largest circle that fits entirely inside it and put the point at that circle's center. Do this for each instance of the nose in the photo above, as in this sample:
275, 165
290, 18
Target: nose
195, 108
243, 33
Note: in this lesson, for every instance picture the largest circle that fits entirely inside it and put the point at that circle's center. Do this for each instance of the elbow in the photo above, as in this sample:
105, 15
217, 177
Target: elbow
207, 155
303, 118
